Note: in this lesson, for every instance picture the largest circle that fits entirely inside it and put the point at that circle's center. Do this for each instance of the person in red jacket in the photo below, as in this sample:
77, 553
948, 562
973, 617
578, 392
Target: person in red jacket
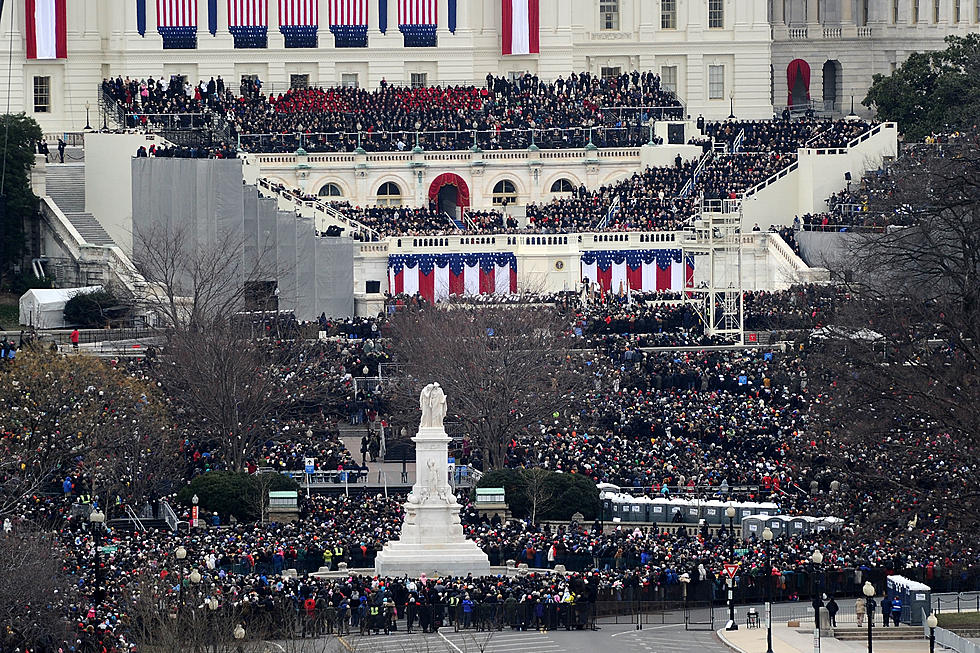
74, 339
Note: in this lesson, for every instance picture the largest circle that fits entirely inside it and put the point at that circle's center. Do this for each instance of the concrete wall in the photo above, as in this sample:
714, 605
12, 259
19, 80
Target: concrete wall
109, 185
818, 174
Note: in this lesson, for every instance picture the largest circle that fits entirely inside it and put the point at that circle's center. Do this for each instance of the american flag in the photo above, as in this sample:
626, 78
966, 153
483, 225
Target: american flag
176, 13
348, 12
417, 12
298, 13
248, 13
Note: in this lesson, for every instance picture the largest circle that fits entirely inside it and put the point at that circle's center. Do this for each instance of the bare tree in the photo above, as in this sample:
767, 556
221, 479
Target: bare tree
540, 493
192, 283
505, 368
901, 370
32, 580
60, 412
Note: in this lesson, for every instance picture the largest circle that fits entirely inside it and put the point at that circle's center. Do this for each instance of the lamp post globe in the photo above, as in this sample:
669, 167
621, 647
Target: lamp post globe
181, 553
817, 557
195, 577
869, 591
767, 534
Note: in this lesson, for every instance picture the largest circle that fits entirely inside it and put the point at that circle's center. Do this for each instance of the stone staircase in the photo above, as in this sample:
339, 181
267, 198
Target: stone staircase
90, 229
879, 633
65, 184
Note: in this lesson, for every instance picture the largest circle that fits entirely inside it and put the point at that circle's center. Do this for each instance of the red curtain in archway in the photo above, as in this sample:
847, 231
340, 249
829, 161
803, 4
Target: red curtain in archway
450, 179
797, 67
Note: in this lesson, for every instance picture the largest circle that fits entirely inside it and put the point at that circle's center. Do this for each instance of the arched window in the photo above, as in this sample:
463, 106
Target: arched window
331, 190
504, 193
562, 186
389, 194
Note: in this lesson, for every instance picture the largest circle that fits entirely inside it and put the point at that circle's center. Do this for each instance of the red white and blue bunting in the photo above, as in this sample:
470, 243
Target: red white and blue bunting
644, 270
437, 276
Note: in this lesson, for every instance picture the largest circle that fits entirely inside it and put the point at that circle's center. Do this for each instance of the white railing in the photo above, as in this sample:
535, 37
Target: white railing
169, 516
832, 33
949, 639
865, 32
328, 211
136, 520
797, 34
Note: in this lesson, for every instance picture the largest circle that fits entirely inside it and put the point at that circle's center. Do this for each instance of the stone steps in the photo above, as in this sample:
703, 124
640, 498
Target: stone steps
90, 229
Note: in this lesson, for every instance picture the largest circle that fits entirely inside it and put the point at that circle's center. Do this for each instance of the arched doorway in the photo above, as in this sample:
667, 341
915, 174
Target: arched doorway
832, 85
798, 83
450, 194
448, 200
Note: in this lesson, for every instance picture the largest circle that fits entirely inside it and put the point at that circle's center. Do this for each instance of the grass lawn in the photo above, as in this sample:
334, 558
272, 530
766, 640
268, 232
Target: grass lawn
9, 316
959, 620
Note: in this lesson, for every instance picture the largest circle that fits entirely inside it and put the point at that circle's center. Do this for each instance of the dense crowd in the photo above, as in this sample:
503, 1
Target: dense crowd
710, 424
503, 114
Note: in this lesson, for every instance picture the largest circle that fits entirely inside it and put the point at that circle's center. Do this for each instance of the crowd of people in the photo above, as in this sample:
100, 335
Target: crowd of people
503, 114
712, 424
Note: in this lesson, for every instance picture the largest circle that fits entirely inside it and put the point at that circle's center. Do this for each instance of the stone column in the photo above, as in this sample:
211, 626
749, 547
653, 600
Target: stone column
778, 15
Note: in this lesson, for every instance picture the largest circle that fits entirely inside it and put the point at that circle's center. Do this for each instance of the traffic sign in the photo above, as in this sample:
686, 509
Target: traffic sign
730, 569
310, 465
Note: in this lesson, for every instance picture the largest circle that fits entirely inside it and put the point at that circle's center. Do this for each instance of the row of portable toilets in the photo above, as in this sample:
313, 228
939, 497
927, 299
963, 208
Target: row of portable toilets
751, 516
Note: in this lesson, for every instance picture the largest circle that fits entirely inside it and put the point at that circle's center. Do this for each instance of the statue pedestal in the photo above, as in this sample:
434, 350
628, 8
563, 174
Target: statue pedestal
431, 540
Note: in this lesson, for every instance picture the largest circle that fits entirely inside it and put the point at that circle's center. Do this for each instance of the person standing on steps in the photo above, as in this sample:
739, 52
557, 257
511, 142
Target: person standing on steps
61, 150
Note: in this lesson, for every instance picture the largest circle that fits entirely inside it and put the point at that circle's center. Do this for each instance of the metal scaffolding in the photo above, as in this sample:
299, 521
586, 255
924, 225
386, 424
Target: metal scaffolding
715, 242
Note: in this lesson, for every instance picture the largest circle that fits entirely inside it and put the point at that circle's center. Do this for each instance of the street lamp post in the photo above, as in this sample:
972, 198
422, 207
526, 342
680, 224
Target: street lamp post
180, 554
97, 519
767, 538
730, 513
731, 99
817, 559
418, 148
359, 150
932, 622
194, 510
869, 591
88, 125
239, 634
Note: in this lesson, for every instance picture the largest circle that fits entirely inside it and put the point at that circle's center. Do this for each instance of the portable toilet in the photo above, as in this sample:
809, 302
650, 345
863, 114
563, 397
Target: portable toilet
915, 597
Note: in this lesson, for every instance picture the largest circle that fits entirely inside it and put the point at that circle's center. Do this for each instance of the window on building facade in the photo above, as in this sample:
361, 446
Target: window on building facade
935, 10
562, 186
299, 81
609, 15
504, 192
389, 194
865, 12
976, 12
915, 11
716, 82
956, 11
716, 14
668, 78
331, 190
668, 14
42, 94
895, 11
610, 72
348, 80
420, 80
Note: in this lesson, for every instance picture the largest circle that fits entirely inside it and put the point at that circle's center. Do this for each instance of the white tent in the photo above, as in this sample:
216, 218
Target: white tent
44, 308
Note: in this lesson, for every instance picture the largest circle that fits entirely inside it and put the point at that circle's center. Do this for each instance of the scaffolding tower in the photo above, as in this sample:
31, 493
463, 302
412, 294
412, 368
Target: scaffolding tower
714, 241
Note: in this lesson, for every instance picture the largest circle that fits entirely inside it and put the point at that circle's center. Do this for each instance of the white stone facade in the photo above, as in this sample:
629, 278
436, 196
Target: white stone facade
103, 40
849, 41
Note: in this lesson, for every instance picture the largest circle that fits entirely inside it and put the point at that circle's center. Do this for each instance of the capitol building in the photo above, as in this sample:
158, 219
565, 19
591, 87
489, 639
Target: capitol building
747, 57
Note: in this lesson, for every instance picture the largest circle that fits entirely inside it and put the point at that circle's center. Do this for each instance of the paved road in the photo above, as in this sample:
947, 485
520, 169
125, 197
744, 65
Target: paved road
671, 638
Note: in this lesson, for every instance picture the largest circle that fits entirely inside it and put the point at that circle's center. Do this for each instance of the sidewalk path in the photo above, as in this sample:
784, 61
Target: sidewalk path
788, 640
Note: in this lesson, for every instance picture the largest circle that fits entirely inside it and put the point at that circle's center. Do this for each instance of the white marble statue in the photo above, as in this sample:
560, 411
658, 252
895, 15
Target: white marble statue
433, 404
